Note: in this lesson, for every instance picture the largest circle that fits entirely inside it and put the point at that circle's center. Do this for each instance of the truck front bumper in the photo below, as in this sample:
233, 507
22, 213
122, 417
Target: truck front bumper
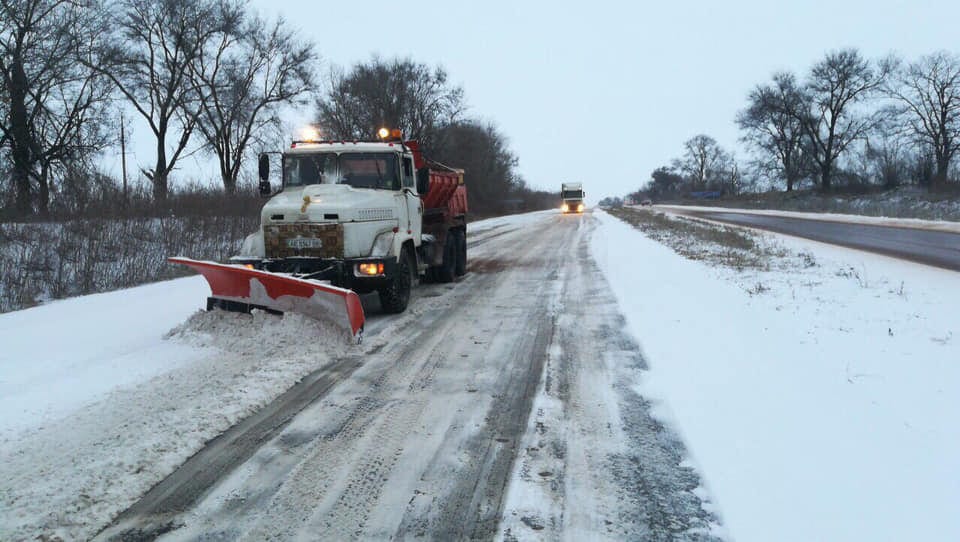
341, 273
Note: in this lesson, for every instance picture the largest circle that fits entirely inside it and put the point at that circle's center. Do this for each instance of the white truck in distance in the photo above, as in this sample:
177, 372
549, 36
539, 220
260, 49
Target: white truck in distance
572, 195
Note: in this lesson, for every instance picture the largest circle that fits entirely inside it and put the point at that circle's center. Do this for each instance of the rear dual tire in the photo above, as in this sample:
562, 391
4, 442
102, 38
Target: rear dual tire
448, 269
454, 257
460, 268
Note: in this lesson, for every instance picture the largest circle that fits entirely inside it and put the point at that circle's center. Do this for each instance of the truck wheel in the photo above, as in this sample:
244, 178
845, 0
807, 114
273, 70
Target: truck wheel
395, 297
447, 271
461, 265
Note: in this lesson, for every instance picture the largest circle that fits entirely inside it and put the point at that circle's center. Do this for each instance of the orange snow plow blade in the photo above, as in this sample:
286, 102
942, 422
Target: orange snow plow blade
279, 292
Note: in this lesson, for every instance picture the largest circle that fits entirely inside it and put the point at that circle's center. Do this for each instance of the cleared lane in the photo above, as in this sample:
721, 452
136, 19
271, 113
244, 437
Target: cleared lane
941, 249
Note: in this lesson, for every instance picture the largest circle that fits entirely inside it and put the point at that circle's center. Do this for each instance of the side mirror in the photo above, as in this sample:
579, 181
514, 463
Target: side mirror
264, 164
423, 181
264, 167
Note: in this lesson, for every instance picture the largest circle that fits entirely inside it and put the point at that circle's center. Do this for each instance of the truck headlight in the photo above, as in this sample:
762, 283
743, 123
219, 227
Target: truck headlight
565, 208
580, 208
372, 269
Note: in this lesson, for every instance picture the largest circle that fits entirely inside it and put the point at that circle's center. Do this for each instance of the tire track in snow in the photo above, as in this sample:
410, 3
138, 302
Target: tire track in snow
595, 463
472, 508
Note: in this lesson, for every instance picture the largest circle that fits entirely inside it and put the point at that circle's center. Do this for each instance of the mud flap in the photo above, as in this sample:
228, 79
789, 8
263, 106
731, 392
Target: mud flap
281, 292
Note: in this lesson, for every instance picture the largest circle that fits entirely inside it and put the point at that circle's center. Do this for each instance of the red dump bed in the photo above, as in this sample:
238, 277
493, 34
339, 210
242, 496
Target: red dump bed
447, 191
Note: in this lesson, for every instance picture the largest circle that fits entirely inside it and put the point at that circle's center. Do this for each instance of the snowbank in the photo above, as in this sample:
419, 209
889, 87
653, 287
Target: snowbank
101, 399
819, 402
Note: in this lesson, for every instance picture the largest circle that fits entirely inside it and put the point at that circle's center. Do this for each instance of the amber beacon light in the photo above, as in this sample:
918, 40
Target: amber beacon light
390, 134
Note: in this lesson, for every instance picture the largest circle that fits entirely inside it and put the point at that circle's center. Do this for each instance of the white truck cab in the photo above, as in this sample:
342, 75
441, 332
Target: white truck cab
368, 189
352, 213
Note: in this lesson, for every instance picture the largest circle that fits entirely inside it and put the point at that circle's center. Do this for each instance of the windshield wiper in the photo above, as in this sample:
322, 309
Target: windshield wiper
379, 173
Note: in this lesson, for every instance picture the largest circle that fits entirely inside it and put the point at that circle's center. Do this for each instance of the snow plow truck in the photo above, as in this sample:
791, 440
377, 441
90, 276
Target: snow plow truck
349, 218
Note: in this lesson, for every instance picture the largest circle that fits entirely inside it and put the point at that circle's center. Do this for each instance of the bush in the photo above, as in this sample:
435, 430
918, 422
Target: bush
44, 261
115, 242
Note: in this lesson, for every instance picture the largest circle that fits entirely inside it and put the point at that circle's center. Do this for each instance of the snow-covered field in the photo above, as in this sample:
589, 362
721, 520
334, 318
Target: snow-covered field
817, 399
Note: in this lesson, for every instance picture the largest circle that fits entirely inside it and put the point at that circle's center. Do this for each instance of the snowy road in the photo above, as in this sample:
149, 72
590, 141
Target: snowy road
585, 380
426, 432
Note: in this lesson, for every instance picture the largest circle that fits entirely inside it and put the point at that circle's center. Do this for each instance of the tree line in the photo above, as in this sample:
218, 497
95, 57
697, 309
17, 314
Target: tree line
205, 76
847, 121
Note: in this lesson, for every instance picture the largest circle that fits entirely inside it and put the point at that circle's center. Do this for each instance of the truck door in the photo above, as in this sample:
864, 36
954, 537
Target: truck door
414, 203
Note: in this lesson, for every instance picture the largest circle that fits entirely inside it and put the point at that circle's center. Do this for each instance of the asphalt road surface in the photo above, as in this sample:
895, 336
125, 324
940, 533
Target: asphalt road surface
940, 249
518, 375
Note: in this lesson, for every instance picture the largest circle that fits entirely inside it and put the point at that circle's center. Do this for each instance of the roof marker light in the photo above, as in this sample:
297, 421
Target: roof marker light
309, 134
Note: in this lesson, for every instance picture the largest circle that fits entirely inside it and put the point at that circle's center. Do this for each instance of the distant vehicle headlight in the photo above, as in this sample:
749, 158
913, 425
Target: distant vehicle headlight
565, 208
580, 208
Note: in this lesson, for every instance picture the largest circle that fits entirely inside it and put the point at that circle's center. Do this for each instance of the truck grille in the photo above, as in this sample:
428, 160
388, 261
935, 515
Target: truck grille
375, 214
312, 240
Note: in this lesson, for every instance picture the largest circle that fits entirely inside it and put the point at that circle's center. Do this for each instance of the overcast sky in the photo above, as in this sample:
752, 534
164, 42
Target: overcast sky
604, 92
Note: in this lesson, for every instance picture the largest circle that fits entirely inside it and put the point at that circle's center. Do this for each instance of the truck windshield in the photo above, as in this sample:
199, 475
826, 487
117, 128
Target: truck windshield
369, 170
304, 169
571, 194
359, 169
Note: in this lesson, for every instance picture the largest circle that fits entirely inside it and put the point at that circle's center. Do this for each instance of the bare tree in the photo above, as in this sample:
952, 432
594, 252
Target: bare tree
664, 182
771, 127
489, 164
929, 92
78, 117
699, 151
53, 114
827, 110
399, 94
706, 164
244, 77
886, 159
159, 41
19, 24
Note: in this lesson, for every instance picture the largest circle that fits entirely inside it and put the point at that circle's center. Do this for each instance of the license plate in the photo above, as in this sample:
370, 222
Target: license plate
300, 243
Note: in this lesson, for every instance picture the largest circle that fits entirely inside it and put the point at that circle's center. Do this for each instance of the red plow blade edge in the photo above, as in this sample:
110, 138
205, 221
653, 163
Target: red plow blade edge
281, 293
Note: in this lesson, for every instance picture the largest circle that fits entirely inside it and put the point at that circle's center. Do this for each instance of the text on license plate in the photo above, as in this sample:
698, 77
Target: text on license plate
304, 242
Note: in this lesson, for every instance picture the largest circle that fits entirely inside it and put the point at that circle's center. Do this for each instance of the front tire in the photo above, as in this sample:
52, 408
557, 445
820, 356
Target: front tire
396, 296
